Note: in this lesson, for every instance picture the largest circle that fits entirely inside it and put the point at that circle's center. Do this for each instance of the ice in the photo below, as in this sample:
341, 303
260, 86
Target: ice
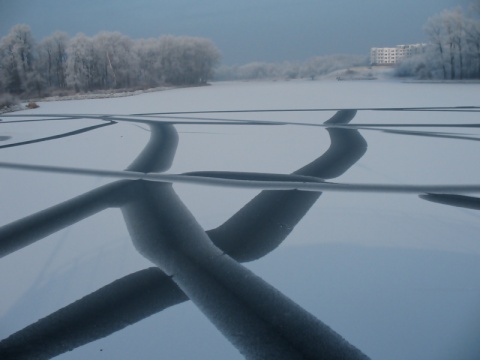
394, 274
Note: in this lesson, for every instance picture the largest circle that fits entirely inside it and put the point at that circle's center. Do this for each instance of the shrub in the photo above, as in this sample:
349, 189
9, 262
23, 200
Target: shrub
32, 105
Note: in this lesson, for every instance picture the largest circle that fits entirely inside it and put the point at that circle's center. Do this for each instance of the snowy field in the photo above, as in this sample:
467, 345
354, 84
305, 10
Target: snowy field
393, 271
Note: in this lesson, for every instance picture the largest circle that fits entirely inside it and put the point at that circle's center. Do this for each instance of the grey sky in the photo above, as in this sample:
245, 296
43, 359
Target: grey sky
261, 30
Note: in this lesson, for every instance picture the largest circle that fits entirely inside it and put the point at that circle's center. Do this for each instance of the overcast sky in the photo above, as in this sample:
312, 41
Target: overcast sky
244, 31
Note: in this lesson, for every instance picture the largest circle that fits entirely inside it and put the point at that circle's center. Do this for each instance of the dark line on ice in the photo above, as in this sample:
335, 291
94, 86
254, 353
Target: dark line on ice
227, 179
427, 134
456, 108
467, 202
56, 137
62, 118
113, 307
219, 121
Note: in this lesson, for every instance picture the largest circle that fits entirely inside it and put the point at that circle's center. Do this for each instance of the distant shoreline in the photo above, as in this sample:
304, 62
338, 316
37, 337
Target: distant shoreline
101, 94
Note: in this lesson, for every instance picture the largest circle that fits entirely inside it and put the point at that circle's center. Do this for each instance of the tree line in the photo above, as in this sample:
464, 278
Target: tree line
453, 51
311, 68
108, 60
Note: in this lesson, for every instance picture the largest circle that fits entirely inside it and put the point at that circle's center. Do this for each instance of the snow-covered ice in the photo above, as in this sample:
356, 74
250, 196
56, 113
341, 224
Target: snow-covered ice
394, 274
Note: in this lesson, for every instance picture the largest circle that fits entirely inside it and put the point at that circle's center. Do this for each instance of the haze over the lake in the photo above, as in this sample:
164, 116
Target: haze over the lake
267, 30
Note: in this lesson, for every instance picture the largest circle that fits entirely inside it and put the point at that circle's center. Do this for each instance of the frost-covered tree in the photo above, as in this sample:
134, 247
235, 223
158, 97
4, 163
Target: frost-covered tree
310, 69
434, 28
322, 65
52, 59
83, 72
149, 62
454, 38
206, 57
107, 60
418, 65
475, 7
472, 40
117, 60
187, 60
259, 70
454, 50
17, 53
112, 60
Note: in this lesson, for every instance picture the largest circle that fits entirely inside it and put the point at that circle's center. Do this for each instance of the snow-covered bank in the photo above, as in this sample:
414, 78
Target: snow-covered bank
105, 94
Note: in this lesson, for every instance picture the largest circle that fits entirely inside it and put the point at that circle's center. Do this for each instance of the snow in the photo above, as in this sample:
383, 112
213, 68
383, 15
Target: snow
394, 274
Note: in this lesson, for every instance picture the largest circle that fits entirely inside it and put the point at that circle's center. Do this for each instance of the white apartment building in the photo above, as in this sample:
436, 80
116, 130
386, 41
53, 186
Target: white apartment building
392, 55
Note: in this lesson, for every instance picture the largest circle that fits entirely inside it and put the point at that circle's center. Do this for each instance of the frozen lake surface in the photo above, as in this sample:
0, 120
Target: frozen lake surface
381, 243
